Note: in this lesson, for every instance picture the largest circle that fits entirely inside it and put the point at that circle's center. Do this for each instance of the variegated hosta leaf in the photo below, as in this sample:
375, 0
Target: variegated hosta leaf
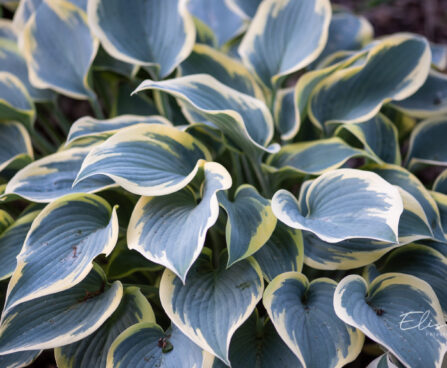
60, 246
46, 50
283, 252
16, 147
15, 102
52, 177
423, 262
285, 36
308, 81
147, 345
400, 312
170, 230
385, 361
212, 304
245, 120
204, 34
11, 242
91, 127
18, 360
303, 314
402, 178
312, 158
429, 100
440, 184
7, 30
25, 9
207, 60
250, 222
12, 61
148, 160
165, 27
379, 137
427, 143
92, 351
438, 56
62, 318
394, 69
225, 23
344, 204
247, 7
5, 220
284, 113
346, 32
441, 202
257, 344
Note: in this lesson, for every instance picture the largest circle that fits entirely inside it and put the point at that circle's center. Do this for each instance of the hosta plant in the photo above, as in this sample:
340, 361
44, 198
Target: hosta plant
234, 183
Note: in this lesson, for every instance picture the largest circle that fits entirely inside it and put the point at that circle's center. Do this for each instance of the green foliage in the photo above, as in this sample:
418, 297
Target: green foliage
246, 183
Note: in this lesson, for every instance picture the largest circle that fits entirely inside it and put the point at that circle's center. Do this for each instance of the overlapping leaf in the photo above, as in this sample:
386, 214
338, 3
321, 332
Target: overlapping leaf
170, 230
17, 149
166, 31
52, 177
45, 50
212, 304
148, 160
62, 318
391, 312
303, 314
285, 36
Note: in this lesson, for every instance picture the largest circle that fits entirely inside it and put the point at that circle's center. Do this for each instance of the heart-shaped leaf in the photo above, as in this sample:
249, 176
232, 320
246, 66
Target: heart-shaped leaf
303, 313
170, 230
398, 311
167, 28
147, 160
212, 304
56, 254
62, 318
92, 351
285, 36
45, 50
52, 177
344, 204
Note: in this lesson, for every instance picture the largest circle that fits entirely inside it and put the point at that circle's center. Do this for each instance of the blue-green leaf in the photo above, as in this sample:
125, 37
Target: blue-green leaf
283, 252
303, 314
166, 29
7, 30
257, 344
440, 184
285, 36
46, 50
402, 178
91, 127
205, 59
104, 62
427, 143
438, 56
284, 113
170, 230
400, 312
386, 360
379, 137
12, 61
146, 345
60, 319
250, 222
248, 7
429, 100
92, 351
312, 158
394, 69
15, 102
11, 242
57, 254
149, 160
344, 204
212, 304
225, 23
52, 177
17, 146
245, 120
18, 360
